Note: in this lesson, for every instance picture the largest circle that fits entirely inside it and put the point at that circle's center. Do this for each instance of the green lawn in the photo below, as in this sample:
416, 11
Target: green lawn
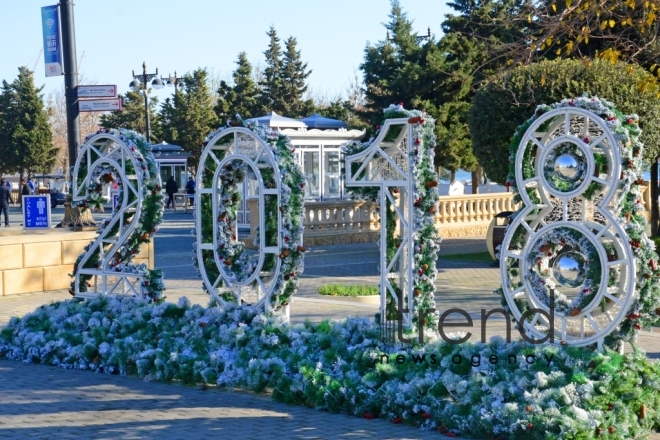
475, 256
348, 290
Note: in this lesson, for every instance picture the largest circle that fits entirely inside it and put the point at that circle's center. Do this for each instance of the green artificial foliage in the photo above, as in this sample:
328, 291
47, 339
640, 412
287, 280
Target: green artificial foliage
524, 392
505, 103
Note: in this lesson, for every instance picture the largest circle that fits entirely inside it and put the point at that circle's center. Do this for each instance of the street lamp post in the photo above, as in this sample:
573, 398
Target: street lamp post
139, 83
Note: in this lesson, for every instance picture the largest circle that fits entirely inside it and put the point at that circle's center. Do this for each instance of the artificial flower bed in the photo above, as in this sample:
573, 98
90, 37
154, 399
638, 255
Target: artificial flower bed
531, 392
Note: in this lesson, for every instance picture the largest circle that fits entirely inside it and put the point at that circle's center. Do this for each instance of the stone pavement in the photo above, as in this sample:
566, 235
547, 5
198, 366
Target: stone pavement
48, 402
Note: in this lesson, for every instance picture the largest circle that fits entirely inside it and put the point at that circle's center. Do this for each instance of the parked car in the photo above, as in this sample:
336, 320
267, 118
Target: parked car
56, 198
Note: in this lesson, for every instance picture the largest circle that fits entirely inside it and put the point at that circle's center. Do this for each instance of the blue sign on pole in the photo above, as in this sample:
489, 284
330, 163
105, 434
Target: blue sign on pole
50, 23
36, 212
115, 200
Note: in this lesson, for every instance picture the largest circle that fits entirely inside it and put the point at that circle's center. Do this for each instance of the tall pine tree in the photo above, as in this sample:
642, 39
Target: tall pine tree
401, 70
294, 81
26, 139
272, 87
243, 97
189, 117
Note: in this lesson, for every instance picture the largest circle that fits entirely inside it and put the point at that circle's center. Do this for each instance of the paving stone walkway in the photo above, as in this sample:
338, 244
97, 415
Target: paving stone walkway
49, 402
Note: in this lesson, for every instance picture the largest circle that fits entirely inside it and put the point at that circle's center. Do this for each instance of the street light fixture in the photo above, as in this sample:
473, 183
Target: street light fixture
173, 81
139, 84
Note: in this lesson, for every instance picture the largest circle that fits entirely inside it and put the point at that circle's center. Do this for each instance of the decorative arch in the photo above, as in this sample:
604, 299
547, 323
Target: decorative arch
122, 158
232, 273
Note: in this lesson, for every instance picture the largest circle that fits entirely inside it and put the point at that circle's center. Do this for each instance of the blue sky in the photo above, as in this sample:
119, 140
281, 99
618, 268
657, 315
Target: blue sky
114, 37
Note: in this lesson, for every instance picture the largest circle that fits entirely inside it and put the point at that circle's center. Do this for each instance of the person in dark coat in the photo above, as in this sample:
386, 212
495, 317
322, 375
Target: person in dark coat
170, 188
25, 190
5, 200
190, 190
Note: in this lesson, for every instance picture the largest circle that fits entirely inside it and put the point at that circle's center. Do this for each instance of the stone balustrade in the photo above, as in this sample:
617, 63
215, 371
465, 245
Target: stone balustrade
470, 214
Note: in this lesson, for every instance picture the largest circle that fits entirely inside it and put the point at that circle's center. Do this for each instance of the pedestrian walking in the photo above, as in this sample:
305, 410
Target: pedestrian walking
30, 185
170, 188
190, 190
25, 190
5, 200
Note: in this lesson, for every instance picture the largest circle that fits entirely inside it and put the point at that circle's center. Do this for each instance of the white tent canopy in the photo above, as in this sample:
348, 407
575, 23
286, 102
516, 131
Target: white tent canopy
273, 120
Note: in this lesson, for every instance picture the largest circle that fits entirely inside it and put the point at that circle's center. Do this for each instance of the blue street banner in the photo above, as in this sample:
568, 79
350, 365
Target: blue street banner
50, 23
115, 200
36, 211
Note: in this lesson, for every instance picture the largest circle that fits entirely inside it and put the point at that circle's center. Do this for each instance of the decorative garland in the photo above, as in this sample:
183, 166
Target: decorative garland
425, 237
645, 309
150, 218
231, 253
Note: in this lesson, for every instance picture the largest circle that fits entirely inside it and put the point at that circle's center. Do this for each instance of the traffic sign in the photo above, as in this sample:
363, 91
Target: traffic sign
99, 105
36, 211
104, 91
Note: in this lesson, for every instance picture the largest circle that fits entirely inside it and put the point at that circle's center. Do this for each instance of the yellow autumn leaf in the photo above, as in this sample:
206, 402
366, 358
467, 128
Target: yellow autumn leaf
653, 67
586, 40
554, 7
612, 23
603, 25
529, 18
630, 70
509, 62
558, 51
543, 80
569, 3
542, 46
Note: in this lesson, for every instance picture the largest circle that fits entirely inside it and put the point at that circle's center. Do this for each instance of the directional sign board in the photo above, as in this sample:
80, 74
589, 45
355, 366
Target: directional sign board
36, 211
100, 105
104, 91
115, 200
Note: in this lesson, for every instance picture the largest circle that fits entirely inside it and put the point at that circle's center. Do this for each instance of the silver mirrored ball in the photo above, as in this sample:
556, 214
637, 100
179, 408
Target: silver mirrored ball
566, 167
569, 269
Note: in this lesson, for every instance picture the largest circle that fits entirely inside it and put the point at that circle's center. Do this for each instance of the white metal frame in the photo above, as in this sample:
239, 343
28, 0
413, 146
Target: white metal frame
113, 151
403, 208
252, 158
618, 297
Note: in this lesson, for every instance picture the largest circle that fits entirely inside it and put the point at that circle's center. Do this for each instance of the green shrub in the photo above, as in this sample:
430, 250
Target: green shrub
509, 100
347, 290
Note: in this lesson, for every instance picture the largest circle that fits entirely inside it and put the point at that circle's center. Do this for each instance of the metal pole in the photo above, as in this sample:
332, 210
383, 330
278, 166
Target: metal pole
145, 78
70, 79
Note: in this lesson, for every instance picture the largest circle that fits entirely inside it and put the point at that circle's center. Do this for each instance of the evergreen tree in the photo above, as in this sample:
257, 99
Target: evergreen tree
189, 117
400, 70
243, 97
272, 93
131, 116
294, 81
26, 138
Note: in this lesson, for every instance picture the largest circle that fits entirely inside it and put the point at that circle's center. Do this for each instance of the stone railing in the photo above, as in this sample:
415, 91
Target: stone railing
332, 222
470, 214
